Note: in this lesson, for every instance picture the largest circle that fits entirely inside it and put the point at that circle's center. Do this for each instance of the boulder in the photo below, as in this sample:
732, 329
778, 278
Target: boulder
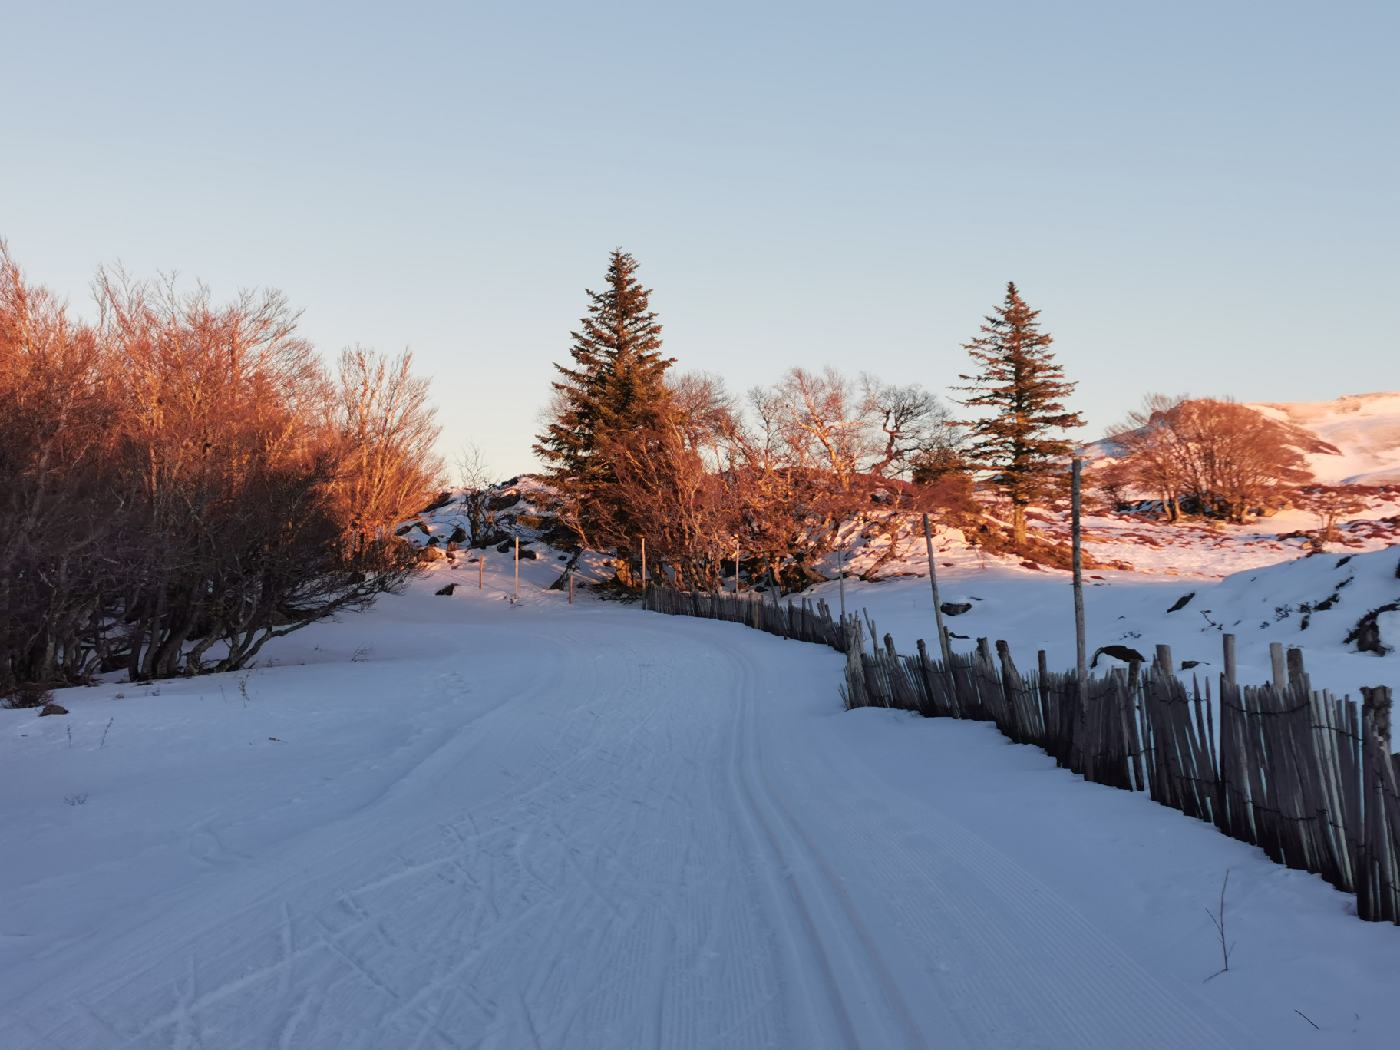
52, 709
1118, 652
1180, 603
955, 608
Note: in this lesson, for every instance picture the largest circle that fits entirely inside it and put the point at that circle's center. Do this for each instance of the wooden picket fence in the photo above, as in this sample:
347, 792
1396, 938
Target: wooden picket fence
803, 621
1305, 775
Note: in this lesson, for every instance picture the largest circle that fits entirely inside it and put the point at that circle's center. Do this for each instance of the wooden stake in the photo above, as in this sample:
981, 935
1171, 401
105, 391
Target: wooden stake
841, 575
517, 568
571, 586
1077, 541
1231, 664
644, 565
480, 572
1279, 663
1297, 674
736, 569
943, 646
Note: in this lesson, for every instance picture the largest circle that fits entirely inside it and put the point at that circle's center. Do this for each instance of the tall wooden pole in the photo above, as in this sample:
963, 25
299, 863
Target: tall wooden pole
481, 572
841, 575
644, 565
736, 568
571, 586
943, 646
1077, 542
517, 568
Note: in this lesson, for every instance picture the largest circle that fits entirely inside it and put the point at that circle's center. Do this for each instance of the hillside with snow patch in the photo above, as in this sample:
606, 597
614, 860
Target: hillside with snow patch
1363, 429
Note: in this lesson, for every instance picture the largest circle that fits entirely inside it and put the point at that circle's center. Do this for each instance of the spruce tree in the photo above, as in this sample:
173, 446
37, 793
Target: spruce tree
1021, 443
612, 393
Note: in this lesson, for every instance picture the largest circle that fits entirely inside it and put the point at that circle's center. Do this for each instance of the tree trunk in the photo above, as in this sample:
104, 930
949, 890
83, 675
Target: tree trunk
1018, 526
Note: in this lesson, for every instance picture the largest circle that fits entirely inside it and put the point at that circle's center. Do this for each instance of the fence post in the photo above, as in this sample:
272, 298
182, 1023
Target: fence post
1280, 666
517, 568
943, 646
1077, 542
841, 576
481, 572
1297, 674
644, 565
1231, 664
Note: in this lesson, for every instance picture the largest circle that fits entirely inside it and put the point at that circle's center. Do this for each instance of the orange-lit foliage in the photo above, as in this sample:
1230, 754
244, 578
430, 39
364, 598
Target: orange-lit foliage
181, 481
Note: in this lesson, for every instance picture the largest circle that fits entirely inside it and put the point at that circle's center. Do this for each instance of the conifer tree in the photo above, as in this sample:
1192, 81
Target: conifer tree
613, 393
1021, 443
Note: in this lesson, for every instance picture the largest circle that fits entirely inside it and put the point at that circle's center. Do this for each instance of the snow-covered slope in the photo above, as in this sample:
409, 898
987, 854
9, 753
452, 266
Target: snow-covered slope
461, 822
1363, 428
1314, 603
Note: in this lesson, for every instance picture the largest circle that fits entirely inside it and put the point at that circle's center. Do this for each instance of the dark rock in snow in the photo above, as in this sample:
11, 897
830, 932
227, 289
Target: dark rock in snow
1367, 632
1118, 652
446, 591
443, 500
955, 608
1182, 601
459, 535
53, 709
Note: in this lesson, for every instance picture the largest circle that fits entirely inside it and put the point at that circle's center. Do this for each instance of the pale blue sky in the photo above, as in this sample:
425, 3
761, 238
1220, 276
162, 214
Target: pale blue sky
1198, 196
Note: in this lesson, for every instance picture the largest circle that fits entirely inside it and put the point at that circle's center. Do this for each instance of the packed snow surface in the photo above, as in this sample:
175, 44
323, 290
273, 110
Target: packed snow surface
454, 821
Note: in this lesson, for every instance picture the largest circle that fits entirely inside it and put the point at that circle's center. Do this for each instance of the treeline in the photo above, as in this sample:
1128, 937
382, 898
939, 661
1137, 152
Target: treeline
635, 450
182, 480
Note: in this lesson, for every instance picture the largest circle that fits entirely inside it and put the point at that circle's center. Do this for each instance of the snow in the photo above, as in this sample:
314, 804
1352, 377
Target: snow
461, 822
1363, 428
1032, 610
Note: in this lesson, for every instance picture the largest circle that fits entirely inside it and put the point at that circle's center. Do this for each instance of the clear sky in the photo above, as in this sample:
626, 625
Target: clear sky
1199, 197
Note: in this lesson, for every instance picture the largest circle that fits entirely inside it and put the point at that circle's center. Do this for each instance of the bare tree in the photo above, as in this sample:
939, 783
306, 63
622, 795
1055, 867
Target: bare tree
1218, 457
178, 483
387, 429
474, 478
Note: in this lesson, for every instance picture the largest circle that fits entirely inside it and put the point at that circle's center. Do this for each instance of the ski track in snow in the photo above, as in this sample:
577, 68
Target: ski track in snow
628, 848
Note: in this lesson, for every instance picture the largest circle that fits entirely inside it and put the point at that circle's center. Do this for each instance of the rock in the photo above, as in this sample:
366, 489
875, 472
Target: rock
504, 501
1181, 602
527, 555
459, 535
52, 709
955, 608
443, 500
1118, 652
446, 591
1367, 632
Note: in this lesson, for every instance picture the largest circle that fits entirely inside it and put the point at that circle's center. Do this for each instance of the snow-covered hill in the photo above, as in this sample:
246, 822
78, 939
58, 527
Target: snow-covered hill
1316, 603
1364, 429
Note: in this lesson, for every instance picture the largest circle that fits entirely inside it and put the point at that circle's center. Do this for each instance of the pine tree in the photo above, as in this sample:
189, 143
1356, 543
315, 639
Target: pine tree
614, 392
1018, 380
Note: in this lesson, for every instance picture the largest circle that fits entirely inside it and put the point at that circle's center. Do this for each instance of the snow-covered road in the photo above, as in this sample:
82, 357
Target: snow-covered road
552, 826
